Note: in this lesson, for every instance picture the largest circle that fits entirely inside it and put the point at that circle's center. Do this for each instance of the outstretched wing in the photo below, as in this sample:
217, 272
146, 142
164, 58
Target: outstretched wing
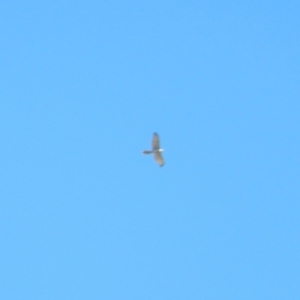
158, 157
155, 141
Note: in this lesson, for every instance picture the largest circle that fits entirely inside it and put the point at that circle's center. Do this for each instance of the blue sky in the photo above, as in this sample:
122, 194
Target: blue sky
84, 215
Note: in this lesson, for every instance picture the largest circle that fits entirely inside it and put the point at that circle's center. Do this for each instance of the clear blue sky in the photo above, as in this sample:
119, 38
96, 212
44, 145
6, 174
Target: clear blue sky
84, 215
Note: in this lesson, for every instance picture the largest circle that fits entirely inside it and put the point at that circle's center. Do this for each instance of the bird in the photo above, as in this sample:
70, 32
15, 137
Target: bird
156, 150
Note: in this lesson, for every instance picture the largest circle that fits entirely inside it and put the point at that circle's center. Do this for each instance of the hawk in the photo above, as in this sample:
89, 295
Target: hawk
156, 150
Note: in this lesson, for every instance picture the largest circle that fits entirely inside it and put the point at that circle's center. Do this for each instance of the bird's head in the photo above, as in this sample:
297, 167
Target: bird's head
161, 150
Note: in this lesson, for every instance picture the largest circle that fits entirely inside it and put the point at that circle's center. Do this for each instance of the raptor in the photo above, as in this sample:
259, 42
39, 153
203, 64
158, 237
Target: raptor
156, 150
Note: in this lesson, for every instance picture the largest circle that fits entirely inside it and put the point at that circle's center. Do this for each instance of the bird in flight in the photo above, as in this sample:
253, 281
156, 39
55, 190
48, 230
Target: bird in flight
156, 150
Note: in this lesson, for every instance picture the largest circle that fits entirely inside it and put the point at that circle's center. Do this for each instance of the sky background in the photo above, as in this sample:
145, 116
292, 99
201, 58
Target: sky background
84, 215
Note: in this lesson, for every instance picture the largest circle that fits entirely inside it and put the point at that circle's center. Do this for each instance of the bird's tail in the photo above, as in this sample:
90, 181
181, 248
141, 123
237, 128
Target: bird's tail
147, 152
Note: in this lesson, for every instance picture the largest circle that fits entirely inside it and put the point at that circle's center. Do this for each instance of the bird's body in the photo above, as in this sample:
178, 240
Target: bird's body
156, 150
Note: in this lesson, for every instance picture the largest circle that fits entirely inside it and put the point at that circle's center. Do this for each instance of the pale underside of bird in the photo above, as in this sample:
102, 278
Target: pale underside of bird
156, 150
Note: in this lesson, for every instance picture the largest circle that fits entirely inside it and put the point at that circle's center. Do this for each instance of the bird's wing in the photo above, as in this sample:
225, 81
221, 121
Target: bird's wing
158, 157
155, 141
